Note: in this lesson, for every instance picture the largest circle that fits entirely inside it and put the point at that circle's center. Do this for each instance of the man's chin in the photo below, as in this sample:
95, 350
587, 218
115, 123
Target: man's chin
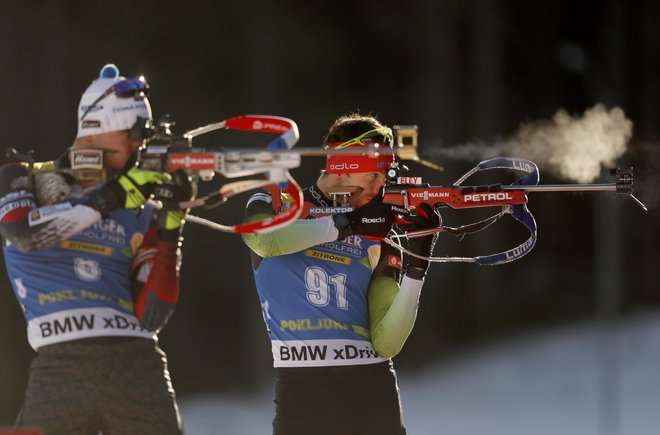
360, 200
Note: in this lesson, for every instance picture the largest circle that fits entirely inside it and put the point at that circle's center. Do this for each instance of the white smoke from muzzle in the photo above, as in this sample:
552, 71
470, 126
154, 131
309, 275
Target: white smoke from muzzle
572, 148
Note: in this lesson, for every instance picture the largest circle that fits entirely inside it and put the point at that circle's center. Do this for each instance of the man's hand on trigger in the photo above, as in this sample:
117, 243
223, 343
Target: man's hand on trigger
128, 190
428, 218
171, 217
138, 184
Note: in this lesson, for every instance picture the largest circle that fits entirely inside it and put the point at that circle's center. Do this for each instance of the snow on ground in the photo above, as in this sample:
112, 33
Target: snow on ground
590, 379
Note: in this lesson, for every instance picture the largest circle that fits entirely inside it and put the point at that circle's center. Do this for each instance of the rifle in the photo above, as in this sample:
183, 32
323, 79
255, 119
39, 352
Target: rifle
166, 152
410, 192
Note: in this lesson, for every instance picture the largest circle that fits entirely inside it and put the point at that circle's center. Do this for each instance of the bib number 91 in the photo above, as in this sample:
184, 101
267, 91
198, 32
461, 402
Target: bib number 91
319, 285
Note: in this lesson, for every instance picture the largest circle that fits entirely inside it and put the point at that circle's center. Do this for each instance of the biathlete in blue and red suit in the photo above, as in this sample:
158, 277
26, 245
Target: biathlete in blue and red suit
95, 272
336, 305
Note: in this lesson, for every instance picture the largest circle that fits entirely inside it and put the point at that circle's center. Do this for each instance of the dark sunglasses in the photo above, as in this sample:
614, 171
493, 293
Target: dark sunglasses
134, 87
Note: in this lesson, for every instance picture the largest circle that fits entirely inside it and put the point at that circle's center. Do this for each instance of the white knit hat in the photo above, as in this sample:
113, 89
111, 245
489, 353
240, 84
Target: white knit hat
111, 112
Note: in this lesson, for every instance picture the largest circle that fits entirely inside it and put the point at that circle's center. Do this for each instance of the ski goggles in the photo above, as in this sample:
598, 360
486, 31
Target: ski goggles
134, 87
356, 163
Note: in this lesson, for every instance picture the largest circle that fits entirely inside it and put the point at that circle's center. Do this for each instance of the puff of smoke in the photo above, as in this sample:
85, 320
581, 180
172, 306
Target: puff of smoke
572, 148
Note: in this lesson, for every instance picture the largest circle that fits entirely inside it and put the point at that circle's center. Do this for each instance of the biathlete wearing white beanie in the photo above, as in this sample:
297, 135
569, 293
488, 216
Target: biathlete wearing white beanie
113, 103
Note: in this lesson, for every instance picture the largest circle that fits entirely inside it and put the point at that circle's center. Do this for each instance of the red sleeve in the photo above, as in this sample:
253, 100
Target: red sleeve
156, 296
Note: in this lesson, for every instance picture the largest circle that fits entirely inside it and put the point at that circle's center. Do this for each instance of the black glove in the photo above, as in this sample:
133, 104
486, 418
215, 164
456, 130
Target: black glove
171, 216
429, 218
128, 190
373, 219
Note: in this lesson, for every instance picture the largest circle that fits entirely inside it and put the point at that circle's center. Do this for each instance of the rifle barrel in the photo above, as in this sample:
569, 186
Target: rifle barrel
564, 187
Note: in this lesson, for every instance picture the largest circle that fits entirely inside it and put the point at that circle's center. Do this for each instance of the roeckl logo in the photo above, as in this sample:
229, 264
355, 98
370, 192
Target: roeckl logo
480, 197
400, 210
344, 166
379, 220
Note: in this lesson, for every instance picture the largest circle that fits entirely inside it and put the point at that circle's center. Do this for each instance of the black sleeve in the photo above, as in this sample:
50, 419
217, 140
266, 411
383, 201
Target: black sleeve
389, 263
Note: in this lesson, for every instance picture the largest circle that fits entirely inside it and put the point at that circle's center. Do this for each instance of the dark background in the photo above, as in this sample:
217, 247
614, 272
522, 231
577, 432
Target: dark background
461, 70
